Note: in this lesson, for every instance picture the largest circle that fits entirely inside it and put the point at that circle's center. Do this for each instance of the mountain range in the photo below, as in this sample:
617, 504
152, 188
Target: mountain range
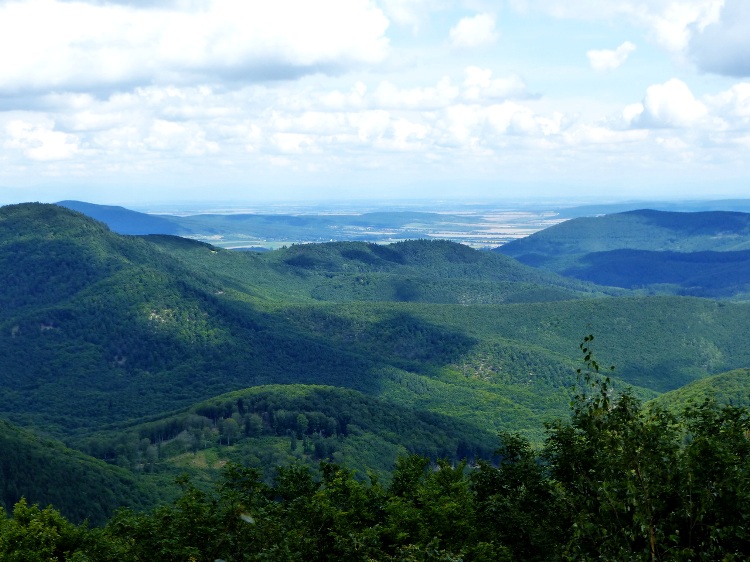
158, 355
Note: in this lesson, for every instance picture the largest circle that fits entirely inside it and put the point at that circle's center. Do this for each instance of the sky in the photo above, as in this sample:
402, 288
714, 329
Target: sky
138, 101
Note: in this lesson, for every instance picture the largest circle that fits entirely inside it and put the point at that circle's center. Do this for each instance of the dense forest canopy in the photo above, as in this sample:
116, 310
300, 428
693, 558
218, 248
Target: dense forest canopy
616, 481
355, 401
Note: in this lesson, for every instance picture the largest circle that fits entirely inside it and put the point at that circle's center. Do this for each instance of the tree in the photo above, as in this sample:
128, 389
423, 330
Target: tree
517, 504
40, 535
715, 487
641, 484
230, 430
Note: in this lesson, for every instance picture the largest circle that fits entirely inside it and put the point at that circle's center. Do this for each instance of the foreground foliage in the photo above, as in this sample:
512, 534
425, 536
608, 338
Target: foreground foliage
615, 482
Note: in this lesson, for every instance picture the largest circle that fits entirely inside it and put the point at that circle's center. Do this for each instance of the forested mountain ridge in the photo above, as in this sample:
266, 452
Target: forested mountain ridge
112, 328
614, 481
643, 229
704, 254
272, 425
126, 221
102, 333
101, 327
44, 471
428, 271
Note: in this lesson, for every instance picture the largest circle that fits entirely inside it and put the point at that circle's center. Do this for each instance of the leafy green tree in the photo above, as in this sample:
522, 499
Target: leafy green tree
230, 430
517, 504
715, 488
41, 535
641, 484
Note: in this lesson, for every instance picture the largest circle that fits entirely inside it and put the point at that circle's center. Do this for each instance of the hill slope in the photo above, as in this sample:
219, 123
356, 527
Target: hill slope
98, 328
45, 471
639, 230
101, 333
268, 426
104, 328
125, 221
731, 388
702, 254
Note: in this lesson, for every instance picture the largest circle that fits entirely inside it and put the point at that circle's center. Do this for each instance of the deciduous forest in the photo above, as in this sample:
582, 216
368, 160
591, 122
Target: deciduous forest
166, 399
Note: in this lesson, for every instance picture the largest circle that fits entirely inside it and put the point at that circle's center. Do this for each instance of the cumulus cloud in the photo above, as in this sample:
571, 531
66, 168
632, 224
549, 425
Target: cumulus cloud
670, 23
58, 45
671, 104
475, 31
40, 141
723, 46
607, 59
733, 106
460, 121
388, 95
587, 134
479, 85
673, 24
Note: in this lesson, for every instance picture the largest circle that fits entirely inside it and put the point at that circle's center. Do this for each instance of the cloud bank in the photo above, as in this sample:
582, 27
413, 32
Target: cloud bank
80, 46
372, 95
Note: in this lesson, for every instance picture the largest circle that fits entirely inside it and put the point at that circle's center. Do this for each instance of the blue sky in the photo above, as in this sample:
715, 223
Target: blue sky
129, 101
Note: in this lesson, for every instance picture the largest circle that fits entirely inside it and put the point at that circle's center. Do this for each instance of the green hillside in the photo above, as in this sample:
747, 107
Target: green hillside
701, 274
638, 230
704, 254
126, 221
731, 388
146, 326
427, 271
123, 345
268, 426
107, 328
80, 487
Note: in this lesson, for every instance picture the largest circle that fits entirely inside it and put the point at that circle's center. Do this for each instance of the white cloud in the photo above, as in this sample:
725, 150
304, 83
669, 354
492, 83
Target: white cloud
607, 59
733, 106
671, 23
39, 141
516, 119
671, 104
403, 135
388, 95
293, 143
455, 124
59, 45
475, 31
410, 13
479, 85
596, 134
723, 46
339, 100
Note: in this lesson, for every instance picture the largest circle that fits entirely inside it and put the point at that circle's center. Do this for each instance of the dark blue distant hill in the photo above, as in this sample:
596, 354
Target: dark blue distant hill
700, 254
699, 274
125, 221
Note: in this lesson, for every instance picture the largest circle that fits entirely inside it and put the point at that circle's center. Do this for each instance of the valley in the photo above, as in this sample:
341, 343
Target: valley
145, 356
480, 225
